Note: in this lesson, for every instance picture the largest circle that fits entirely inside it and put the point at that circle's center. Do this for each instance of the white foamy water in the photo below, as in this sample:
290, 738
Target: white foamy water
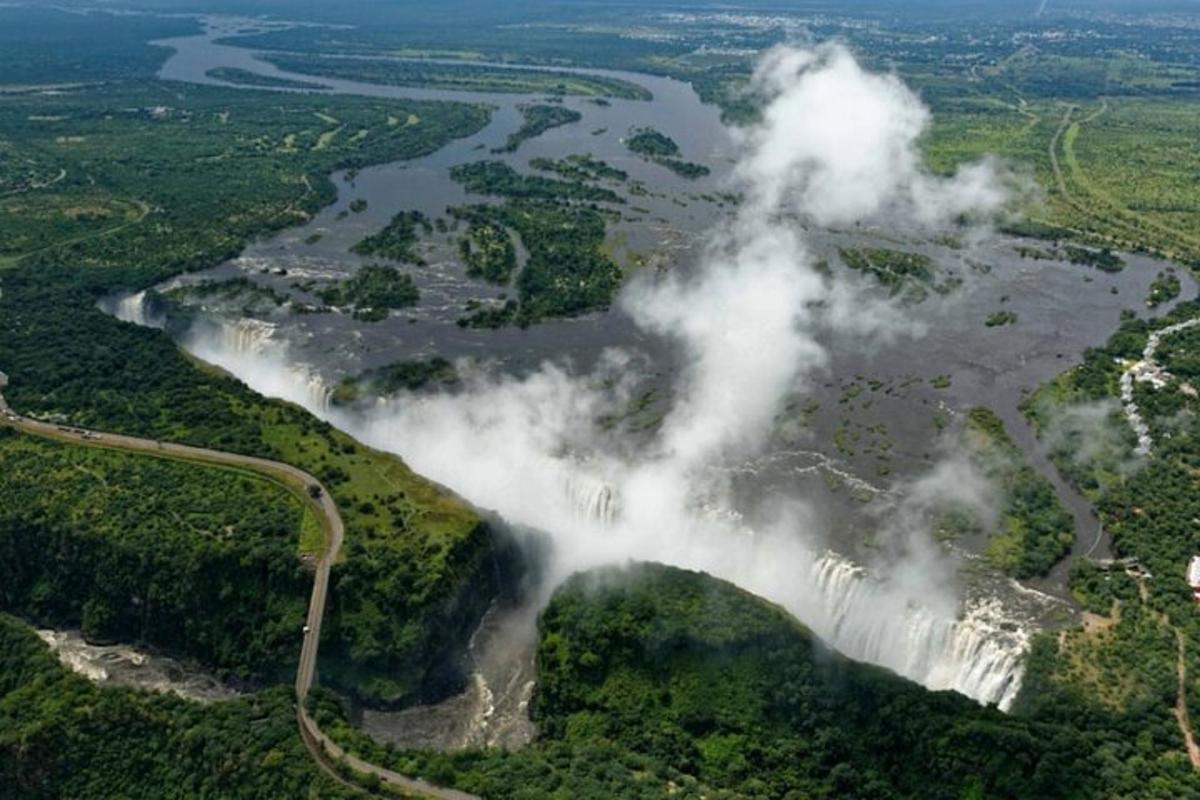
133, 308
599, 513
979, 654
749, 321
122, 665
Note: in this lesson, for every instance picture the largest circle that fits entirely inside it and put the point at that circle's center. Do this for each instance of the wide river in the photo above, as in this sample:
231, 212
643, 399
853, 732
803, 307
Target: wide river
871, 424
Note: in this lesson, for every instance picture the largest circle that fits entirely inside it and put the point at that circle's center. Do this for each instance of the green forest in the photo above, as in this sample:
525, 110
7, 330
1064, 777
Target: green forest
171, 178
63, 736
397, 239
1034, 531
538, 118
201, 561
655, 680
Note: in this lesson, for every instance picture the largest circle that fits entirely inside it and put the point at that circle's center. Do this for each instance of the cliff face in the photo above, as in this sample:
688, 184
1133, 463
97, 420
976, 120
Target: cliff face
417, 646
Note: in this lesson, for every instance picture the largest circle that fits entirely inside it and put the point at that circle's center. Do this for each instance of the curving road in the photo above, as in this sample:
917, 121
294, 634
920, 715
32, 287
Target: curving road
324, 751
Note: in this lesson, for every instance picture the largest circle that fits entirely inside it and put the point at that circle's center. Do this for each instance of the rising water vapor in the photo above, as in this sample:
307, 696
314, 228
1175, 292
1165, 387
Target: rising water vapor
836, 145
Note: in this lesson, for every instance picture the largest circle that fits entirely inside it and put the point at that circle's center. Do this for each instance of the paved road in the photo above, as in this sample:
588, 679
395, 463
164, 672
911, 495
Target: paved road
322, 748
297, 479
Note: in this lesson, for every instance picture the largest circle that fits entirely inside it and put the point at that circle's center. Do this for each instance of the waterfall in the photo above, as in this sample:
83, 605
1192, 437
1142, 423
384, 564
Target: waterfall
134, 308
976, 650
978, 654
250, 349
248, 336
592, 499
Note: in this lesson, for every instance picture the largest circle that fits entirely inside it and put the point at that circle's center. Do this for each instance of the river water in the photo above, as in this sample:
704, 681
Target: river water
122, 665
857, 443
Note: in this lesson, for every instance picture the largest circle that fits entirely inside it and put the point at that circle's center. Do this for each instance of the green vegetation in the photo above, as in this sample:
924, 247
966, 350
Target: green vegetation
1164, 288
676, 679
358, 205
1035, 531
199, 560
1179, 354
538, 120
409, 376
397, 239
1115, 171
43, 47
1123, 674
489, 315
684, 169
251, 298
910, 275
498, 178
372, 292
169, 178
580, 168
201, 171
459, 77
1102, 259
652, 144
62, 736
488, 252
567, 272
244, 77
69, 360
1001, 318
662, 149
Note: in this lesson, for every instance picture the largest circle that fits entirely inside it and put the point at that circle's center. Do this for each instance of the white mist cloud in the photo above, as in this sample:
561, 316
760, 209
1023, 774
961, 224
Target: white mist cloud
1094, 434
836, 144
839, 144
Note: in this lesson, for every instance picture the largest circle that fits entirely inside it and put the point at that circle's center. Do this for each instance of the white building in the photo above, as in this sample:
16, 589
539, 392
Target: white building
1193, 577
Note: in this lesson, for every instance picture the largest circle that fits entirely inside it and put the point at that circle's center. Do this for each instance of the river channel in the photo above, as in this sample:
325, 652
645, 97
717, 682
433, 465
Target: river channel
873, 420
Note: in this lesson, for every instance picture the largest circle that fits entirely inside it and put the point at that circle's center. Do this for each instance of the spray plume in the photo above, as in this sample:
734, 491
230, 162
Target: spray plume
836, 145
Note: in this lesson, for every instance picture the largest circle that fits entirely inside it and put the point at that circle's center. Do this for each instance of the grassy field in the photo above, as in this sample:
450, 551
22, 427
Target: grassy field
1118, 172
459, 77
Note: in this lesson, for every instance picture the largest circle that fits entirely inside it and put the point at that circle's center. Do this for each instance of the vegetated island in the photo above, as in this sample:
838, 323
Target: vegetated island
372, 292
1164, 288
911, 275
431, 373
580, 167
999, 319
397, 239
663, 150
498, 178
538, 119
459, 77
